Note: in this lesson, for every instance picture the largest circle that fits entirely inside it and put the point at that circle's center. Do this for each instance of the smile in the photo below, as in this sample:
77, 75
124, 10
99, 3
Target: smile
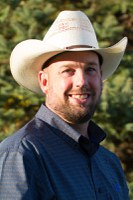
79, 96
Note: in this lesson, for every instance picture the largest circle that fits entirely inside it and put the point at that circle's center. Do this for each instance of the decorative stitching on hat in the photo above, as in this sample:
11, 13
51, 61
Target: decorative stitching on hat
72, 24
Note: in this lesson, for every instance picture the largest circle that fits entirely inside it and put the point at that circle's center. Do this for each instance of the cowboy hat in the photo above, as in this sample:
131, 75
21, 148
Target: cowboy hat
71, 31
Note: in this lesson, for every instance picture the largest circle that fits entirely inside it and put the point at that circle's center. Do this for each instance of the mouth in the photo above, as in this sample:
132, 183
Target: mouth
79, 96
78, 99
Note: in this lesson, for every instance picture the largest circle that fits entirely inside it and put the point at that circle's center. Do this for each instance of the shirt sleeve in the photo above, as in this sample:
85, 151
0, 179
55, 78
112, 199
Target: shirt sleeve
21, 177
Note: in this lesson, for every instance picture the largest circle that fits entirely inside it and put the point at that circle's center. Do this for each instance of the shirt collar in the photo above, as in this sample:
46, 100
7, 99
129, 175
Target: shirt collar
96, 134
54, 120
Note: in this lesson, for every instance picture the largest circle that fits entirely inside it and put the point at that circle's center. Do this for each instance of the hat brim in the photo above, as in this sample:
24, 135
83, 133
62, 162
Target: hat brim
28, 57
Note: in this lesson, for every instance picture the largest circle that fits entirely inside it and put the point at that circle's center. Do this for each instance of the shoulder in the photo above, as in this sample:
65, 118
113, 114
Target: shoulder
24, 147
20, 159
108, 156
24, 137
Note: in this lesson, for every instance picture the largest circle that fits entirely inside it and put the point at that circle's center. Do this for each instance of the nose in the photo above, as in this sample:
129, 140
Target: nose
80, 79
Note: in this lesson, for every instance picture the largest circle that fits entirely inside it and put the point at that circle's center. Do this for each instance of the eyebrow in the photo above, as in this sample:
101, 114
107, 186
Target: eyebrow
87, 64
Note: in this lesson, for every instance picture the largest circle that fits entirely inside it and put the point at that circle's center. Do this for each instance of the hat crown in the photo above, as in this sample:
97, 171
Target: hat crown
71, 28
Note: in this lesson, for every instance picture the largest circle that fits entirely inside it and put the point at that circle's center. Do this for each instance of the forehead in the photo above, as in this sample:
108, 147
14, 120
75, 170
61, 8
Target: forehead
75, 56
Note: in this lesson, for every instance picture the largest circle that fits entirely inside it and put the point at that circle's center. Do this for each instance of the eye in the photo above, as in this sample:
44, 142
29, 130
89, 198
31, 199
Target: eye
91, 69
67, 72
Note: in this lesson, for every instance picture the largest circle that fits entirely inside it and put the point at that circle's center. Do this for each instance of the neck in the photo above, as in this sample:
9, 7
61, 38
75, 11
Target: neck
81, 128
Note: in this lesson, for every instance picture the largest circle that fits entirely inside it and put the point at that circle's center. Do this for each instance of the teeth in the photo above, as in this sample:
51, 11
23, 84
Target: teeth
81, 96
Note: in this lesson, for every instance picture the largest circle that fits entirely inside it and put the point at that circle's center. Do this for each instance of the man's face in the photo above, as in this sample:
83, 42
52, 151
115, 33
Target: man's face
72, 83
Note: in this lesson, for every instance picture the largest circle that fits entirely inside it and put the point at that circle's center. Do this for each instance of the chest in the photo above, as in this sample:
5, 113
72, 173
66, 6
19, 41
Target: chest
74, 175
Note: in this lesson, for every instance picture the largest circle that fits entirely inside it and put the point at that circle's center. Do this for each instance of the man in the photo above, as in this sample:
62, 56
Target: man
57, 155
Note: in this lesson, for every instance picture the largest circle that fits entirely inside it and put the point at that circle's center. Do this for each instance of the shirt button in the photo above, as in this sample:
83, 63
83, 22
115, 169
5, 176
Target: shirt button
100, 190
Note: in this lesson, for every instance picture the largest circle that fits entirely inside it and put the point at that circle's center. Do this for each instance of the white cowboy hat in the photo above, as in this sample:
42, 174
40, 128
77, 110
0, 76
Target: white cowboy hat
71, 31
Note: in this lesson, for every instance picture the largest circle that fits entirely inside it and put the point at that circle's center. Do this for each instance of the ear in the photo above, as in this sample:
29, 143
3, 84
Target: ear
43, 81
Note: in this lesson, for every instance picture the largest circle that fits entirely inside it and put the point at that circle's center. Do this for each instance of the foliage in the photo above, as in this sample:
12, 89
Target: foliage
113, 19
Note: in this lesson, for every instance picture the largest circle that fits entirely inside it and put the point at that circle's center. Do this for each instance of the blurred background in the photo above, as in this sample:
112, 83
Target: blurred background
112, 20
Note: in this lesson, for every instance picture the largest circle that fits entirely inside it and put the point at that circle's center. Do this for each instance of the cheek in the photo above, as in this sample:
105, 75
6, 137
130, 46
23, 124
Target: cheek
64, 85
97, 84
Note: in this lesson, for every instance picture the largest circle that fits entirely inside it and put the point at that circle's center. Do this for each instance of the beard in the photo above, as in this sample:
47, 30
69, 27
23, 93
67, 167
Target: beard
76, 114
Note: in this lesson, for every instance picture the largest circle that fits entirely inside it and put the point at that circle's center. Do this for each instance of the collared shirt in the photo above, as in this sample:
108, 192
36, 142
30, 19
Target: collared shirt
95, 133
48, 160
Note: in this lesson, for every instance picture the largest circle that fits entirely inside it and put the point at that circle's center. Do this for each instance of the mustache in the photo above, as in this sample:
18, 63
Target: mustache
82, 90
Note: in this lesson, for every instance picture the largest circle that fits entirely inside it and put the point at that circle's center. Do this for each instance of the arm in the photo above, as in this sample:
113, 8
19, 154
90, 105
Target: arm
21, 177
